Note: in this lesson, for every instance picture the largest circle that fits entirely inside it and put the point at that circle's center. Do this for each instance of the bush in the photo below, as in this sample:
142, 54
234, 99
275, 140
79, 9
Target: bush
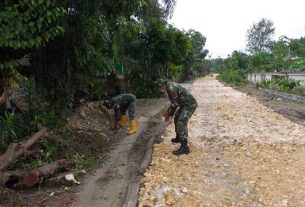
235, 77
298, 66
286, 85
298, 91
9, 130
15, 126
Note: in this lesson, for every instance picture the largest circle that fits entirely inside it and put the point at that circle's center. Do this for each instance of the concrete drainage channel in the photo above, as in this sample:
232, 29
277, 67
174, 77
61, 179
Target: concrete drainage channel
285, 96
140, 159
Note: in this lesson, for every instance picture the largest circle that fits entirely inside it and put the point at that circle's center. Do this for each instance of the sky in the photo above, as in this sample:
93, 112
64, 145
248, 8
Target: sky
225, 22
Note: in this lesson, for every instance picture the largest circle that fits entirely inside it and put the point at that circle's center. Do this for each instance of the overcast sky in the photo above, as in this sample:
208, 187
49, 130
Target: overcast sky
225, 22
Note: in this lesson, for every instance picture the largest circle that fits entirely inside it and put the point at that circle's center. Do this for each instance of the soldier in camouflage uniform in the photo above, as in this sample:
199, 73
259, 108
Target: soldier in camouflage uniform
121, 103
187, 104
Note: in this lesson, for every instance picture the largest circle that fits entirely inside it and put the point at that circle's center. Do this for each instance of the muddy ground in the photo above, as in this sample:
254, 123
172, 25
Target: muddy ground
243, 153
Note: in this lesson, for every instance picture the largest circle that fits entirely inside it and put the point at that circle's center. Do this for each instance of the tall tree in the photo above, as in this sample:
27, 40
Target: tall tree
169, 7
297, 47
217, 64
280, 55
241, 59
194, 61
260, 62
259, 36
25, 26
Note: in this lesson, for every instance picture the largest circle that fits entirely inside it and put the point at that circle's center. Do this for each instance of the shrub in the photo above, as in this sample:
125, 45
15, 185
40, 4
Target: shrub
235, 77
8, 130
298, 66
283, 85
13, 127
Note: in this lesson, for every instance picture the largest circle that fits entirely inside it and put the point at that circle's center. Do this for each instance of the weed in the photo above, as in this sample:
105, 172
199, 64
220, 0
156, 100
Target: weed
80, 160
286, 85
8, 130
34, 164
7, 197
138, 142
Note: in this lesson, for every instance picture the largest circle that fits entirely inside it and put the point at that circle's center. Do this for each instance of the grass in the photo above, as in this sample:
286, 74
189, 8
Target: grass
9, 199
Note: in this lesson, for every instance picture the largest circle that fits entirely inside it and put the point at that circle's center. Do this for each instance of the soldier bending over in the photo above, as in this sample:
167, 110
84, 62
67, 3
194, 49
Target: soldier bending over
187, 104
121, 103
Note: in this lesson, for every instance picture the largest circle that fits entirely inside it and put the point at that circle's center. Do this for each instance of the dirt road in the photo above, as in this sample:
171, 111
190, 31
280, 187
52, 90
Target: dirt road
116, 182
242, 154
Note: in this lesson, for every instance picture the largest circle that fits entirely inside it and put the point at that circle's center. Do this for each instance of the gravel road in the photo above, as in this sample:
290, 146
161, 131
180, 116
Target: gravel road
242, 154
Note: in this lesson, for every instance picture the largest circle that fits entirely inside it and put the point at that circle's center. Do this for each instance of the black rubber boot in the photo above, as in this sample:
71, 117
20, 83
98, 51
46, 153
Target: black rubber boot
176, 140
184, 149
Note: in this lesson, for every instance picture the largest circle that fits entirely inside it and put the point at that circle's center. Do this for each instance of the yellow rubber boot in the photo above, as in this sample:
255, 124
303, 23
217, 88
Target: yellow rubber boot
133, 127
122, 121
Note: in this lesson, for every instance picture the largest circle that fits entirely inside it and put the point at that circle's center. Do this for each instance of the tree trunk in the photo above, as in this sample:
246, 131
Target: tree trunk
6, 92
11, 176
32, 178
15, 150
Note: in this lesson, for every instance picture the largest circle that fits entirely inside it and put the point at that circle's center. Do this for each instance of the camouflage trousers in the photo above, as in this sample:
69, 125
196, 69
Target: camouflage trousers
131, 107
181, 118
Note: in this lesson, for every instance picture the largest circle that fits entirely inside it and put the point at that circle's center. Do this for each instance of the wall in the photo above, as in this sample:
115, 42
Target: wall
258, 77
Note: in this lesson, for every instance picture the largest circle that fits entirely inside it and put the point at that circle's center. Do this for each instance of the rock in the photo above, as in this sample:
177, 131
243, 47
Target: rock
82, 112
285, 202
63, 179
170, 198
66, 200
161, 191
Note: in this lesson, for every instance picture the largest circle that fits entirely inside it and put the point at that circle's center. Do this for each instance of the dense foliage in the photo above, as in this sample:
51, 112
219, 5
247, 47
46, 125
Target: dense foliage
283, 85
259, 36
25, 26
81, 50
75, 48
195, 63
235, 77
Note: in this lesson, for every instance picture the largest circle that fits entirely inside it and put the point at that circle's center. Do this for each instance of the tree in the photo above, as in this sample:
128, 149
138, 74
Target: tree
297, 50
260, 62
231, 63
280, 53
297, 47
25, 26
99, 35
194, 60
238, 60
259, 36
169, 7
217, 64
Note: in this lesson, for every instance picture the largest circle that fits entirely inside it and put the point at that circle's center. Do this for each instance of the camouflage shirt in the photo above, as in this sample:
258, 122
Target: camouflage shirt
122, 101
179, 97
